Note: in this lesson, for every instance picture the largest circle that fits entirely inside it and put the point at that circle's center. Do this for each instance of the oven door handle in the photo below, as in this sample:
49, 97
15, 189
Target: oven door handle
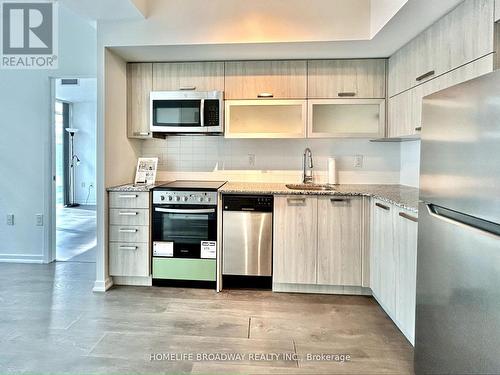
188, 211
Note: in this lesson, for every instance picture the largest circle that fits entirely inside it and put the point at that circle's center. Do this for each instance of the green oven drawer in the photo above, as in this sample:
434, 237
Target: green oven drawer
184, 269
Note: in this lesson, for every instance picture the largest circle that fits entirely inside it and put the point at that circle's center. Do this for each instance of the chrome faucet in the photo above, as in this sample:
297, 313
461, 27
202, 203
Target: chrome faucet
307, 176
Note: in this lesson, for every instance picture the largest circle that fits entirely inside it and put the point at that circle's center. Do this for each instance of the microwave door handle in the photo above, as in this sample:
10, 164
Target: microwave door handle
202, 113
187, 211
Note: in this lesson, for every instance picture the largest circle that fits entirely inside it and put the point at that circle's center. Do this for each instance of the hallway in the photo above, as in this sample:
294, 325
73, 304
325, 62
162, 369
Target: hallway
76, 234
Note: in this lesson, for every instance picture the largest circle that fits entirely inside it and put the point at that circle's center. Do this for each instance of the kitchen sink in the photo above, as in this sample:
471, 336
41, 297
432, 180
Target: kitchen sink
310, 187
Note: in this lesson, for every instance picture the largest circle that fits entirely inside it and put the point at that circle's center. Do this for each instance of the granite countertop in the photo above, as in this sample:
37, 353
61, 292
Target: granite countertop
400, 195
136, 188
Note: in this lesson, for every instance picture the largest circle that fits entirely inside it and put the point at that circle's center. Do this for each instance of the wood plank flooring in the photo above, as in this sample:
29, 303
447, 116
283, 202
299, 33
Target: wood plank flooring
50, 321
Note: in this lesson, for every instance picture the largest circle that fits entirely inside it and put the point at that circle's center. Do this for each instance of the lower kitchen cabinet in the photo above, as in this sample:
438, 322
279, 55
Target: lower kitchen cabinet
129, 239
339, 240
383, 256
295, 239
394, 263
406, 228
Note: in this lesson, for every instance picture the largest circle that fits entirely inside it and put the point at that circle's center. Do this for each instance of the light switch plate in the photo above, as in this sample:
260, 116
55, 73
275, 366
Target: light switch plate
358, 161
10, 219
39, 220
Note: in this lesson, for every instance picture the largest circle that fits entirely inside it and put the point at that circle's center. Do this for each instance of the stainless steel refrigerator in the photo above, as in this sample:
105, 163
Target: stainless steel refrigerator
458, 266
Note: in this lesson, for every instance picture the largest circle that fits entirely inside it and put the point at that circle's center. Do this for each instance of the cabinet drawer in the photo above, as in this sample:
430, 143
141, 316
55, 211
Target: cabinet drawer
128, 200
128, 216
127, 259
136, 233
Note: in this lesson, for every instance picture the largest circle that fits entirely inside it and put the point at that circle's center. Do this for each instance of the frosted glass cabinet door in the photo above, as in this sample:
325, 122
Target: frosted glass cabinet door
265, 119
350, 118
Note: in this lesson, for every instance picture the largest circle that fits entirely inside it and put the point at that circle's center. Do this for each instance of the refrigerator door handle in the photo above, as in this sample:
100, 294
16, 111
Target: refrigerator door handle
463, 219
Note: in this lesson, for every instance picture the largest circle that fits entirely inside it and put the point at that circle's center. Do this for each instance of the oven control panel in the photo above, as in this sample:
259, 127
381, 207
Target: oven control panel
185, 197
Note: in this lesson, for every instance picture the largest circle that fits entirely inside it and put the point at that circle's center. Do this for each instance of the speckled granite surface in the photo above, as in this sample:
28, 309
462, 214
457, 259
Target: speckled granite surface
402, 196
136, 188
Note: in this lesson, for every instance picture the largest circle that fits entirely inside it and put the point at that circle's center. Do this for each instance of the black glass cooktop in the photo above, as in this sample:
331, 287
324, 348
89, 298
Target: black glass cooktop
192, 185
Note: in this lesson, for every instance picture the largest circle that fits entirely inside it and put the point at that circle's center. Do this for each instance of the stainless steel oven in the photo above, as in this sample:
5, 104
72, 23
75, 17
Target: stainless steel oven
184, 232
187, 112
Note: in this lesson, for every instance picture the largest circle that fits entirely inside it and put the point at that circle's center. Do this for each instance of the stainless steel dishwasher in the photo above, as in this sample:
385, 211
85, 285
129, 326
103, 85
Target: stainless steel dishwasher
247, 235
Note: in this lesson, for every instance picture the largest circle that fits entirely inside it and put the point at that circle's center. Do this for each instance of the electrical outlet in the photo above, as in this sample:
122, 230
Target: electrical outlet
358, 161
10, 219
251, 160
91, 185
39, 220
83, 185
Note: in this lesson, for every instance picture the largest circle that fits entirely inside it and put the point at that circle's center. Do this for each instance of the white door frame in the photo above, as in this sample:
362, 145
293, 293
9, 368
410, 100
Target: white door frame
49, 248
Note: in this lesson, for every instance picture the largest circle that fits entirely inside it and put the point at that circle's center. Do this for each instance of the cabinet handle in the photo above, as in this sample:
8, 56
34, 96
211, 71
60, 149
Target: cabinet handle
344, 94
128, 247
187, 88
425, 75
418, 128
121, 213
265, 95
132, 196
122, 230
382, 206
409, 217
333, 200
142, 134
296, 200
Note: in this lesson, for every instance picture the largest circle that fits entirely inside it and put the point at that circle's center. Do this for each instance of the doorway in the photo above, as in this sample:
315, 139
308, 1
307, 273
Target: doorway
75, 108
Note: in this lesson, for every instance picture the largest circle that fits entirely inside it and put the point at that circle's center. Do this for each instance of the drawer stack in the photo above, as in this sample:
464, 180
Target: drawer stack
129, 244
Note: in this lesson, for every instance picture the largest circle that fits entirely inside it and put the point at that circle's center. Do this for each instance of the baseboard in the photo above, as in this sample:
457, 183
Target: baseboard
322, 289
102, 286
132, 280
21, 258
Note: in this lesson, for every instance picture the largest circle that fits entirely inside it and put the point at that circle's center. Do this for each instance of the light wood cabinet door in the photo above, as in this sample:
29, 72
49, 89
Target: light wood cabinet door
497, 10
405, 109
200, 76
129, 259
383, 255
139, 85
406, 228
265, 79
364, 79
339, 240
295, 239
460, 37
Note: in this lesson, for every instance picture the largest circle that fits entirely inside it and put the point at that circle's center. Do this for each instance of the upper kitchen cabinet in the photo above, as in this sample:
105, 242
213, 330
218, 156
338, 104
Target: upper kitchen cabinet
328, 79
266, 79
463, 35
265, 118
200, 76
497, 10
349, 118
405, 109
139, 85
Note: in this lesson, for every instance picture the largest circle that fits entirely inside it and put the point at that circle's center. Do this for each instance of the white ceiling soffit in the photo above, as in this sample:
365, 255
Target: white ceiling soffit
108, 10
410, 20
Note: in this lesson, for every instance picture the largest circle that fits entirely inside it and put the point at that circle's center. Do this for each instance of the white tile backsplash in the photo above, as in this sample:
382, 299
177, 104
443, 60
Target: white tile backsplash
276, 160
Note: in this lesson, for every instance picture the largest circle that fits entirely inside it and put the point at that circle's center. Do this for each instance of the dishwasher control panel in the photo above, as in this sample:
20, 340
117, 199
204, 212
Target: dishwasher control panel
258, 203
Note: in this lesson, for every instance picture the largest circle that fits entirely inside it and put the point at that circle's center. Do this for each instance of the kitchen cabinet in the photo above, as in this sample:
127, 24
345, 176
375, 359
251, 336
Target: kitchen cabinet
405, 109
363, 78
349, 118
139, 85
339, 240
461, 36
200, 76
383, 256
265, 79
295, 239
129, 238
265, 118
497, 10
406, 228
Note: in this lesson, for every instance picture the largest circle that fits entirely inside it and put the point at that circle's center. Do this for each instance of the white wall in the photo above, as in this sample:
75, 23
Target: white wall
276, 160
25, 120
410, 163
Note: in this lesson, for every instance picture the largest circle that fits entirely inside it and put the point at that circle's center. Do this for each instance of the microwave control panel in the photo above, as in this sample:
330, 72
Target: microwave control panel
211, 112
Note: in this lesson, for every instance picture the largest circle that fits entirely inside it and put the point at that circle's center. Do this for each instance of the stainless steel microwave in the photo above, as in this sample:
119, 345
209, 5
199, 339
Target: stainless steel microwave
187, 112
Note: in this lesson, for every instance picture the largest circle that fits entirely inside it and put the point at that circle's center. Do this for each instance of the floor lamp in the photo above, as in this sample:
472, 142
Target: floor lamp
75, 161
